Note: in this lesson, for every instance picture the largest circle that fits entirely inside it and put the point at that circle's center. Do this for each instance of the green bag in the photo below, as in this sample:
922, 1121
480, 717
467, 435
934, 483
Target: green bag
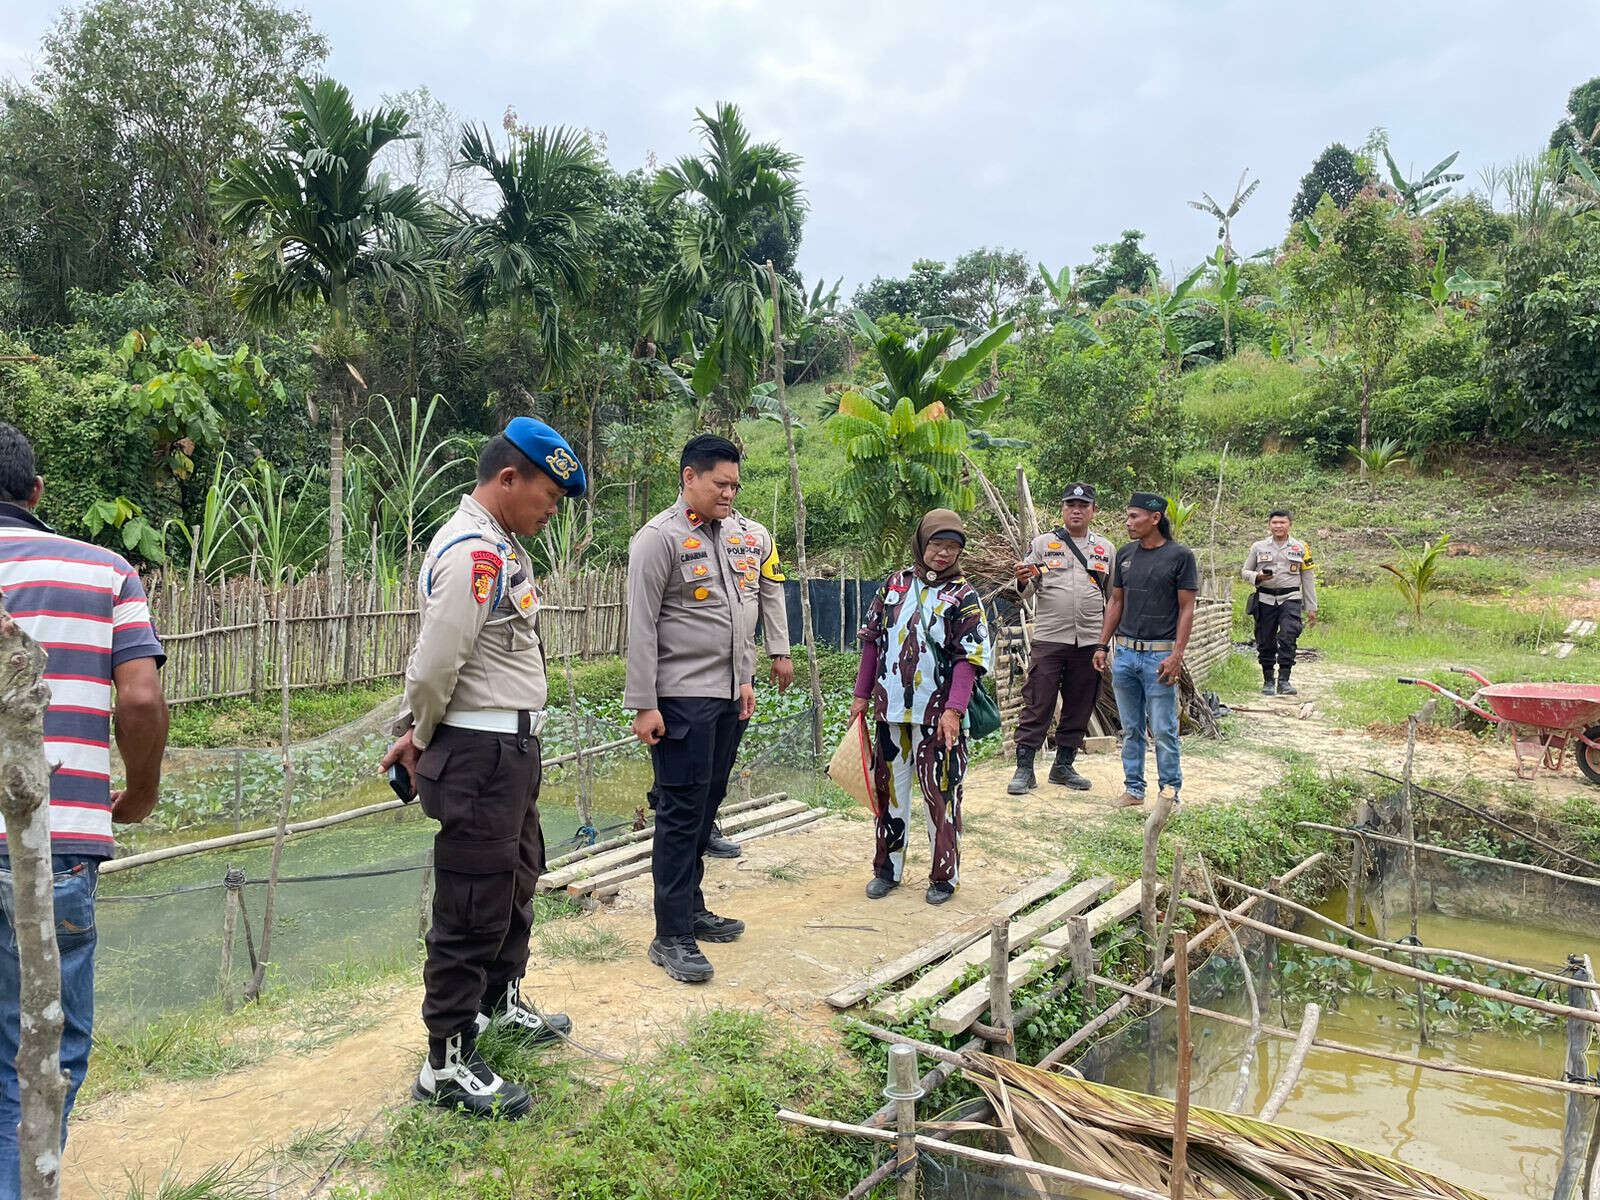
983, 714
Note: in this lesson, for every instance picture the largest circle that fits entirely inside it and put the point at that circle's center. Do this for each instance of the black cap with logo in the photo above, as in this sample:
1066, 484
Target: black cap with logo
1078, 491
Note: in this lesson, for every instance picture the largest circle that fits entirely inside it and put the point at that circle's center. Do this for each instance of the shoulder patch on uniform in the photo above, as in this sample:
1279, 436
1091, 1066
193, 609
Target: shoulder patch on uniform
487, 556
772, 568
483, 575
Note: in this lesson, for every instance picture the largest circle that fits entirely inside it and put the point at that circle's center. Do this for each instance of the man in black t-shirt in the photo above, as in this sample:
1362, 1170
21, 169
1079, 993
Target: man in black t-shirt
1150, 613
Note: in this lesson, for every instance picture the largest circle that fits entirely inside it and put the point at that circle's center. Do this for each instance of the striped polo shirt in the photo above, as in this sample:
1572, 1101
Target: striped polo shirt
87, 608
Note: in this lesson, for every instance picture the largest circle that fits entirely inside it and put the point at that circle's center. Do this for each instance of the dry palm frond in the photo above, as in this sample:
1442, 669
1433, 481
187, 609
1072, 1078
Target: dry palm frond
1127, 1136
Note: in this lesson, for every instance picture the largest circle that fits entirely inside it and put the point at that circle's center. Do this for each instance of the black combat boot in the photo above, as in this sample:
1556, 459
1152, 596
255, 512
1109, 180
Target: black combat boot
1062, 772
1023, 781
1267, 688
1285, 688
455, 1076
879, 887
721, 847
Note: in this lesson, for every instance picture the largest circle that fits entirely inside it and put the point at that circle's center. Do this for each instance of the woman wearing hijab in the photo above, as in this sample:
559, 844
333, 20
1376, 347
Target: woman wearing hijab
923, 646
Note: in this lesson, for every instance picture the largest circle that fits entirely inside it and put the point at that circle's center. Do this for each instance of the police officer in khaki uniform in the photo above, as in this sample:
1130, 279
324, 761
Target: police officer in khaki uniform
475, 696
1069, 571
775, 634
694, 583
1285, 580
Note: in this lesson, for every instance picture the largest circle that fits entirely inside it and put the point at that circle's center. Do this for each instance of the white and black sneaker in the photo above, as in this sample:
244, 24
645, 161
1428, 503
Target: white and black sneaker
510, 1012
455, 1076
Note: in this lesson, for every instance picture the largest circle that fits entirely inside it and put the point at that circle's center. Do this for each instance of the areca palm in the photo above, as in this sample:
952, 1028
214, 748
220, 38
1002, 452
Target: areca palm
724, 194
322, 221
535, 251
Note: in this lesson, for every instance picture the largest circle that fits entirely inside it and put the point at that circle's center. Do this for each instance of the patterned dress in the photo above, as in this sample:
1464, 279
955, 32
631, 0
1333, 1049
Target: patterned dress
907, 620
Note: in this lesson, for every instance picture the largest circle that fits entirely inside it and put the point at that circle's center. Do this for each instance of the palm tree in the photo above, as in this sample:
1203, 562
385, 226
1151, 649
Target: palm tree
932, 369
324, 221
535, 250
1226, 215
1162, 313
725, 194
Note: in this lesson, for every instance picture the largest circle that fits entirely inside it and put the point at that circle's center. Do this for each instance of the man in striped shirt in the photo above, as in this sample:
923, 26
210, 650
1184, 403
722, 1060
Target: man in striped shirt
86, 607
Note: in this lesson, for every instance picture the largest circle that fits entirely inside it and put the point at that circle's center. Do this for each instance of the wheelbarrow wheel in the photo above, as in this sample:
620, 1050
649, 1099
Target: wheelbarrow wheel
1588, 756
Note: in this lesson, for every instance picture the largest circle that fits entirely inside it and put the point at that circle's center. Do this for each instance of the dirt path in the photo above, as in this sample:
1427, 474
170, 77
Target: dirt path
810, 929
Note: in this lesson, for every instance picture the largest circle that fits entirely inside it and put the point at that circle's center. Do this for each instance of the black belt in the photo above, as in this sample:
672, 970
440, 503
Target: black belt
1292, 591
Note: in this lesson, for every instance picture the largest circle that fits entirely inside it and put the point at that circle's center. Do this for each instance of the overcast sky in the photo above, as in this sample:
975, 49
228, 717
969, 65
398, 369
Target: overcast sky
929, 128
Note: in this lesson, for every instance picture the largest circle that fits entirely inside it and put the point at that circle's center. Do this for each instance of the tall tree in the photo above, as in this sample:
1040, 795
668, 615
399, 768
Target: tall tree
1226, 214
325, 221
1122, 265
1359, 277
715, 288
534, 251
988, 286
1579, 130
1335, 174
107, 157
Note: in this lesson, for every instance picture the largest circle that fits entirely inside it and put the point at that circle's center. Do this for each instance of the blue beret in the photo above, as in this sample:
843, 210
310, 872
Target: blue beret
549, 452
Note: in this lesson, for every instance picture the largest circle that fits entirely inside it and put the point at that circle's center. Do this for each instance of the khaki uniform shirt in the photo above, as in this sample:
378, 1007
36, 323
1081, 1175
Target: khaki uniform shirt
1293, 573
1071, 604
694, 590
478, 647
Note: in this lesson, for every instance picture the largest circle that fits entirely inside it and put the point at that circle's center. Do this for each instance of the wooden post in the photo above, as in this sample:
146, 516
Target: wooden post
1081, 950
25, 803
257, 622
1575, 1131
423, 896
806, 631
232, 883
1413, 900
905, 1090
1149, 880
1000, 987
1352, 895
238, 791
1269, 951
1180, 1107
258, 977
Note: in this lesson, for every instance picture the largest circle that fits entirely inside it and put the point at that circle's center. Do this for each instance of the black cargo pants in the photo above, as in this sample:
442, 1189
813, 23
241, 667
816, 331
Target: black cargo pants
692, 762
1277, 632
1058, 669
483, 789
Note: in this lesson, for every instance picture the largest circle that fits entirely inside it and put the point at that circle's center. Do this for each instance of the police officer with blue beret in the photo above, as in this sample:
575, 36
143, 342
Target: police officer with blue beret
469, 737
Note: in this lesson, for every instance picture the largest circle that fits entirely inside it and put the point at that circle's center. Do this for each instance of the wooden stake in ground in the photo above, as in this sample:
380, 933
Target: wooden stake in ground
1408, 831
1000, 987
1149, 881
1180, 1110
1575, 1133
253, 989
25, 804
799, 520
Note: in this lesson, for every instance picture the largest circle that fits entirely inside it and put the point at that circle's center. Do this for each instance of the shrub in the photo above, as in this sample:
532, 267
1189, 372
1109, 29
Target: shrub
1245, 402
1104, 415
68, 406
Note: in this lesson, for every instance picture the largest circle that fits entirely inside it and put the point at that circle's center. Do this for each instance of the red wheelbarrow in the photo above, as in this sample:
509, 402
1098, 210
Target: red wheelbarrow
1544, 719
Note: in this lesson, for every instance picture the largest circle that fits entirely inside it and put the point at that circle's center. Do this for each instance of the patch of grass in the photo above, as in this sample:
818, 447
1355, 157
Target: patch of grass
696, 1120
785, 872
243, 722
222, 1182
585, 942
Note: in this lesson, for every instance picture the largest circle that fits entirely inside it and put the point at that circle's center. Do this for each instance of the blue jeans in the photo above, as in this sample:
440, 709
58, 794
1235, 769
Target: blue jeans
1143, 699
76, 878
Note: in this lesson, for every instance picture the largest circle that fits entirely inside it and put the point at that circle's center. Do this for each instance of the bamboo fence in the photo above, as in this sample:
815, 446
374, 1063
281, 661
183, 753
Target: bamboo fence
221, 638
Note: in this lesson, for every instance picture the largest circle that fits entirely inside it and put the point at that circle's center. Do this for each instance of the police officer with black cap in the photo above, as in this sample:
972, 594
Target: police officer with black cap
469, 737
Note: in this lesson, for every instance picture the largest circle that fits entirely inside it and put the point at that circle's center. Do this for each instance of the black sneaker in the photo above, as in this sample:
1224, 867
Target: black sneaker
880, 887
455, 1076
511, 1012
1285, 688
938, 893
708, 927
1064, 773
680, 957
721, 847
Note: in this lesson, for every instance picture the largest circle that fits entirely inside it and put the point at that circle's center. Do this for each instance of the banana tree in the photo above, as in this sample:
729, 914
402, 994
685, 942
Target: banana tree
1227, 294
1162, 313
932, 368
1420, 194
1063, 291
1225, 215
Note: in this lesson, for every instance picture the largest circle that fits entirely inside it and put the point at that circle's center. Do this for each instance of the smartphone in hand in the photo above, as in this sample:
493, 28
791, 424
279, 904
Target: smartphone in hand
400, 781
